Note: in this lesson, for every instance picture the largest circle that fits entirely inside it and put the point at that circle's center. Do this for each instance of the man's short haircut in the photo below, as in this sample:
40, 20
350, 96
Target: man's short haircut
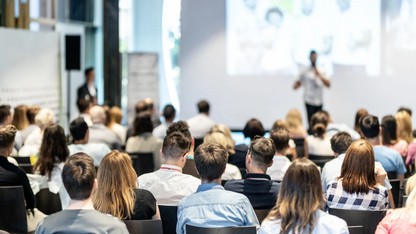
169, 112
312, 52
253, 128
180, 126
78, 129
31, 114
262, 151
340, 142
175, 145
210, 160
83, 104
4, 112
406, 110
142, 123
7, 135
370, 126
141, 107
280, 138
203, 106
272, 10
88, 70
78, 176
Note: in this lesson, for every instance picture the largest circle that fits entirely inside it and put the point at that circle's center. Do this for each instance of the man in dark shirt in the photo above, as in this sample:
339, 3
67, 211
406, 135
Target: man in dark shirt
257, 186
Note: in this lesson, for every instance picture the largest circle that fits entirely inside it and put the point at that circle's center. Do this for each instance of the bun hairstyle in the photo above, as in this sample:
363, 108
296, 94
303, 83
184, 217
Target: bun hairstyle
319, 122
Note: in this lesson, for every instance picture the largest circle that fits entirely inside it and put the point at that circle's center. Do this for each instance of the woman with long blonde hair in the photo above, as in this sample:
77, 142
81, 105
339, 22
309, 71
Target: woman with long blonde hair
20, 120
404, 127
117, 193
294, 124
298, 204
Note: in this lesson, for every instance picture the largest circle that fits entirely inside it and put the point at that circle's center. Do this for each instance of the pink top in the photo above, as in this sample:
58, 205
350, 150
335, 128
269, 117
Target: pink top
401, 146
399, 226
411, 154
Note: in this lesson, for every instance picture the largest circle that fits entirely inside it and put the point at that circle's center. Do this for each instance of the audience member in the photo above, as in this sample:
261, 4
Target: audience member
152, 112
78, 176
360, 185
143, 141
281, 124
389, 136
116, 117
110, 123
253, 128
212, 206
117, 193
6, 119
20, 120
201, 124
88, 91
409, 111
235, 157
294, 125
140, 107
281, 163
319, 143
183, 127
257, 185
99, 133
31, 114
298, 206
169, 113
168, 184
84, 107
404, 127
360, 113
333, 128
80, 136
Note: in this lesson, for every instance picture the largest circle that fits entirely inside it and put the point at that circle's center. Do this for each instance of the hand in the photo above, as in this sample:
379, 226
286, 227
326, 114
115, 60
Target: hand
380, 175
297, 84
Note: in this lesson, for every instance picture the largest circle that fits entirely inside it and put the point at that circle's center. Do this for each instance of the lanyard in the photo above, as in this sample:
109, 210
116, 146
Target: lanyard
168, 168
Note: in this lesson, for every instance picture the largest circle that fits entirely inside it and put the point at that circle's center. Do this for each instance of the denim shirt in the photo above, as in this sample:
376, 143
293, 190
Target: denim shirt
212, 206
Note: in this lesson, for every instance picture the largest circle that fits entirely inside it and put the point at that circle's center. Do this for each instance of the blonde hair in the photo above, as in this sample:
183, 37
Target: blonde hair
279, 124
217, 137
117, 114
44, 118
20, 120
410, 203
293, 120
227, 133
404, 126
116, 179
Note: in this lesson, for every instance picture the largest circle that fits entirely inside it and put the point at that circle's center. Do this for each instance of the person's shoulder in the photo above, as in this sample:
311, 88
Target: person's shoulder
143, 193
330, 221
269, 226
99, 146
234, 185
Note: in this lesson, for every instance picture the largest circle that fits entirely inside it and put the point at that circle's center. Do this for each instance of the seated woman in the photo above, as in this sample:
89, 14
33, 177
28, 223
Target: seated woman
360, 185
236, 159
295, 214
360, 113
281, 124
20, 120
319, 143
294, 125
389, 135
117, 192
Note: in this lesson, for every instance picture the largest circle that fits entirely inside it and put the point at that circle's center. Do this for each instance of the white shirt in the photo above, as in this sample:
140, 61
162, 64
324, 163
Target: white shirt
32, 144
146, 143
92, 90
319, 146
160, 131
313, 85
199, 125
96, 151
278, 170
121, 132
168, 185
87, 119
231, 173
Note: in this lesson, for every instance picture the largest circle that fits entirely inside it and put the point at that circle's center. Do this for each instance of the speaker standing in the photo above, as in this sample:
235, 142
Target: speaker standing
88, 91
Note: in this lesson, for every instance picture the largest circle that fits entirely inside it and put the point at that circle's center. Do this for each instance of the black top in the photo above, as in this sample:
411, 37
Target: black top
145, 206
261, 193
83, 92
239, 158
11, 175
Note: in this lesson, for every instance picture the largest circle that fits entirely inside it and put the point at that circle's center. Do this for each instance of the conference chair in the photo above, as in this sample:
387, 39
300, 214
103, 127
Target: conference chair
261, 214
223, 182
13, 209
355, 229
320, 160
224, 230
395, 191
189, 168
144, 226
169, 217
142, 162
300, 148
369, 219
22, 160
198, 142
48, 202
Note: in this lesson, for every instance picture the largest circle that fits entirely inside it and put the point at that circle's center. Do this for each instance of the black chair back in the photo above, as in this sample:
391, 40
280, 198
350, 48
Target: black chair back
28, 168
320, 160
392, 175
22, 160
395, 191
261, 214
144, 226
300, 147
169, 216
356, 229
13, 209
48, 202
223, 182
243, 172
198, 142
142, 162
189, 168
404, 200
224, 230
369, 219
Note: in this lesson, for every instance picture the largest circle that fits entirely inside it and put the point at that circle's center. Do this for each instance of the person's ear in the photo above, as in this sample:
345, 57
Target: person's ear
248, 158
381, 130
336, 155
271, 163
362, 135
95, 183
193, 141
161, 154
185, 156
196, 170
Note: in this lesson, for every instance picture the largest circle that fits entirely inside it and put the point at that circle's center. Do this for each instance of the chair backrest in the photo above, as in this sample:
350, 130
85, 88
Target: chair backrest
369, 219
243, 172
26, 167
144, 226
224, 230
261, 214
356, 229
404, 201
198, 142
169, 216
142, 162
392, 175
24, 160
223, 182
320, 160
395, 191
300, 148
13, 209
189, 168
48, 202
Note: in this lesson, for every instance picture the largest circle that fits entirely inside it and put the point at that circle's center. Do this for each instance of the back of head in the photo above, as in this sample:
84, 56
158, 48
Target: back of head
409, 111
83, 105
299, 197
370, 126
141, 107
97, 114
279, 124
203, 107
389, 130
180, 126
87, 71
31, 114
78, 176
404, 126
253, 128
357, 171
142, 123
319, 122
109, 120
149, 102
175, 146
78, 129
217, 137
227, 133
20, 117
44, 118
280, 139
4, 113
210, 160
116, 114
358, 116
293, 120
340, 142
117, 179
262, 151
7, 135
169, 112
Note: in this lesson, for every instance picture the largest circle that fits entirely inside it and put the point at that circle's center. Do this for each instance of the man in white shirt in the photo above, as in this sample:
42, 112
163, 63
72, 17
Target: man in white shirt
201, 124
314, 79
169, 113
168, 184
280, 163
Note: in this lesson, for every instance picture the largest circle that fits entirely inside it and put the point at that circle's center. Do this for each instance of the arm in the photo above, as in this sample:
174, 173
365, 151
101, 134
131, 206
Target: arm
294, 154
324, 80
401, 178
27, 190
297, 84
157, 215
391, 199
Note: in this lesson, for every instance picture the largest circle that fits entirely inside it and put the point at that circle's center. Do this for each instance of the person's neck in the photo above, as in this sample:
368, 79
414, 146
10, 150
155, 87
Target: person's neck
80, 142
3, 154
278, 153
256, 170
81, 205
177, 163
169, 121
374, 141
216, 181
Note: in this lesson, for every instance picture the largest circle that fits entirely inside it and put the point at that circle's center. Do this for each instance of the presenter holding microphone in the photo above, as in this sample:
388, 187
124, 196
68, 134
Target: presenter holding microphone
313, 80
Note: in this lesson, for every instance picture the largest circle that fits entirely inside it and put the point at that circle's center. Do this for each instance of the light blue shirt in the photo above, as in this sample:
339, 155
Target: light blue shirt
212, 206
390, 159
96, 151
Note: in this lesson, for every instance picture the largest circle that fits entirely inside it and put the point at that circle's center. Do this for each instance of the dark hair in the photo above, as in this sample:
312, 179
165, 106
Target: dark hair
271, 11
78, 176
31, 114
369, 125
253, 128
169, 112
78, 128
88, 70
142, 123
52, 150
180, 126
4, 112
319, 122
358, 116
7, 135
83, 104
280, 138
312, 52
262, 151
340, 142
389, 130
210, 160
203, 106
141, 107
405, 109
175, 145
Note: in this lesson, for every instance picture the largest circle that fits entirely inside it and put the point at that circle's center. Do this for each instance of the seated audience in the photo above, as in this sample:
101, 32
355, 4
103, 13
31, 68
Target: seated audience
319, 143
143, 141
281, 163
152, 112
257, 185
20, 120
140, 107
168, 184
80, 136
110, 123
404, 127
117, 193
201, 124
294, 125
237, 159
212, 206
360, 185
99, 133
281, 124
169, 113
298, 206
6, 119
389, 136
333, 128
120, 130
31, 114
360, 113
78, 176
84, 107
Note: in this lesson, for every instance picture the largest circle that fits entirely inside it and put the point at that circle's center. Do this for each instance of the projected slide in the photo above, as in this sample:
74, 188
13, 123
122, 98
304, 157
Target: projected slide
275, 36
